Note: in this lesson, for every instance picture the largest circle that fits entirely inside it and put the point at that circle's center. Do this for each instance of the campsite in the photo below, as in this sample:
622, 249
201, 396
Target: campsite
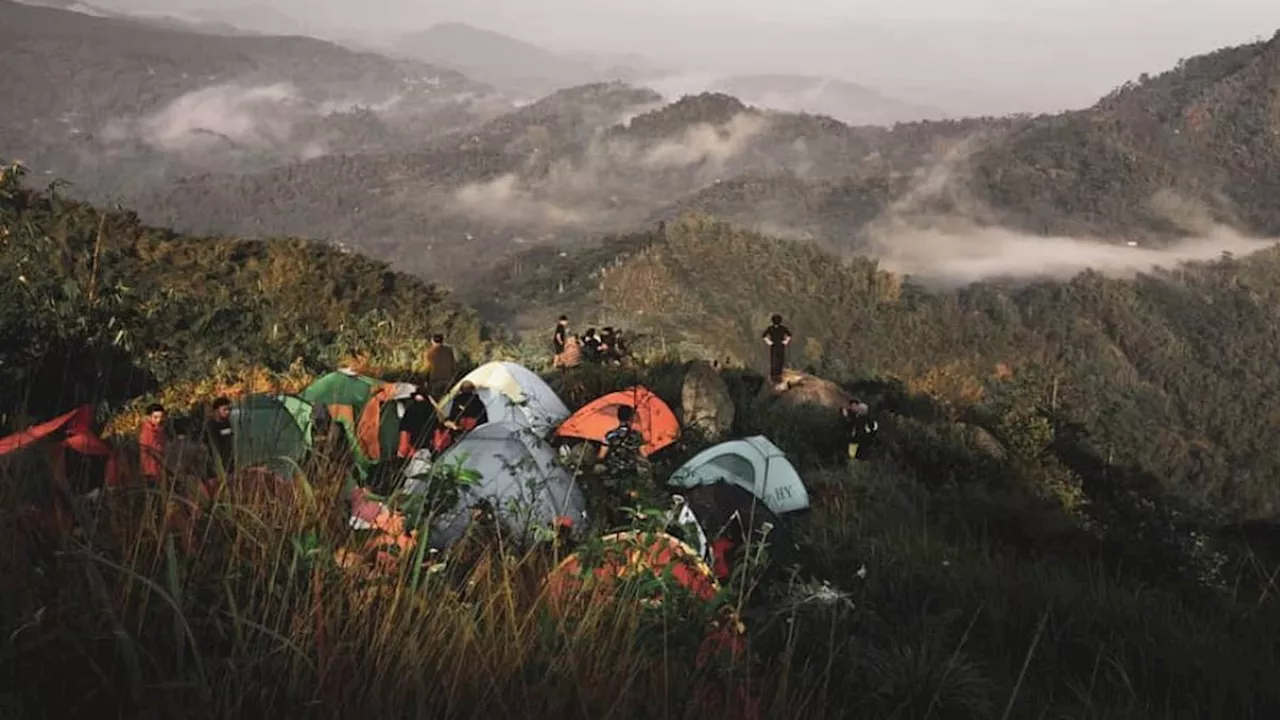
520, 487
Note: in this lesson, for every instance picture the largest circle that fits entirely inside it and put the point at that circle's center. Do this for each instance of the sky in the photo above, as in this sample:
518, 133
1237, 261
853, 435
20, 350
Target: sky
982, 56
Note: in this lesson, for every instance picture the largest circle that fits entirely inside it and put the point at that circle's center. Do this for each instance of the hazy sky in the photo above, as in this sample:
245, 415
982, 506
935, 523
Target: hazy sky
994, 55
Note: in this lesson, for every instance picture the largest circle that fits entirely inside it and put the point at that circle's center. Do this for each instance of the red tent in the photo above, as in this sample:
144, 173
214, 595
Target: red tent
77, 434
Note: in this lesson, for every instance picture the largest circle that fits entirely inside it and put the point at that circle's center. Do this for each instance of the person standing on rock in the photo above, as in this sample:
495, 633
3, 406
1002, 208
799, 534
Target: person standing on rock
777, 336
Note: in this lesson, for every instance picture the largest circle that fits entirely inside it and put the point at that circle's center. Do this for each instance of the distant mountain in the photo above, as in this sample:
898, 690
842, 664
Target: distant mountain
114, 103
260, 19
512, 64
593, 159
844, 101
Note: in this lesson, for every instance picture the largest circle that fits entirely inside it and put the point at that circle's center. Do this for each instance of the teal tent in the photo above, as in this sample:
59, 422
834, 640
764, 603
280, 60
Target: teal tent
271, 431
753, 463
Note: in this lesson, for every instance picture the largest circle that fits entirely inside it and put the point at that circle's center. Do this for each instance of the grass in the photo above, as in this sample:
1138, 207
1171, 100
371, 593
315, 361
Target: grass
928, 612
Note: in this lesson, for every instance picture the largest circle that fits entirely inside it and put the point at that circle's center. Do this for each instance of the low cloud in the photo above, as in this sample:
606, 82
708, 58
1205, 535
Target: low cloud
504, 200
607, 181
242, 116
961, 256
705, 142
937, 233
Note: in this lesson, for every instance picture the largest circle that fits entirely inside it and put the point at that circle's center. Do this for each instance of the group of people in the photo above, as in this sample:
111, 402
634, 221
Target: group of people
424, 424
214, 431
606, 347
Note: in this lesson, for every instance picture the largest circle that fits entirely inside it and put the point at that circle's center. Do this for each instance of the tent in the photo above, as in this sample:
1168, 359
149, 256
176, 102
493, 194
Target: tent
347, 397
753, 463
514, 393
271, 431
377, 432
731, 521
627, 553
70, 431
340, 388
519, 476
653, 419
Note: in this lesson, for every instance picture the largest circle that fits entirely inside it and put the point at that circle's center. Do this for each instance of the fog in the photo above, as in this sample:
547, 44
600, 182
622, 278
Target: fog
611, 175
242, 116
959, 256
964, 56
957, 248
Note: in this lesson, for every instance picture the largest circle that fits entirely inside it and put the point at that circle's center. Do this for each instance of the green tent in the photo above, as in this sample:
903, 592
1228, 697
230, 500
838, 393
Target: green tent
341, 388
271, 431
753, 463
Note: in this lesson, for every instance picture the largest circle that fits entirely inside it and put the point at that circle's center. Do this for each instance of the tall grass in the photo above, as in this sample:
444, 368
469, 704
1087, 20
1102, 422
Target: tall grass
258, 600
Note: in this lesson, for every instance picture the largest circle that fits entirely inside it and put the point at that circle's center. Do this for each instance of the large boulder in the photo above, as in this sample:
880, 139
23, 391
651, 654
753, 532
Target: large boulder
799, 388
705, 401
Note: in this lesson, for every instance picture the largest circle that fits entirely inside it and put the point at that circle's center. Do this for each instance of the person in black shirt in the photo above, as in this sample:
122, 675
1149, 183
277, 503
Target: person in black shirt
860, 427
416, 424
221, 437
467, 413
777, 337
561, 334
591, 346
608, 346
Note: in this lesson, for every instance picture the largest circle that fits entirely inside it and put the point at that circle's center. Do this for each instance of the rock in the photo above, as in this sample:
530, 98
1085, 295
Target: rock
705, 401
799, 388
982, 440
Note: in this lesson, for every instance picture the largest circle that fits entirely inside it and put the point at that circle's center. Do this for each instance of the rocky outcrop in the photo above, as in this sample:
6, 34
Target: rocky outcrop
799, 388
705, 401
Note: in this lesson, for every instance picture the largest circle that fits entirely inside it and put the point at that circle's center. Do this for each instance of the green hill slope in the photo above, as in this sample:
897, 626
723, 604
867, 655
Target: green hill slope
100, 306
1168, 371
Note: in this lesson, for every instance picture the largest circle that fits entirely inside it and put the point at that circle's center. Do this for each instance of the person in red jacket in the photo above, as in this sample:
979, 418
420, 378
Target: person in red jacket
151, 444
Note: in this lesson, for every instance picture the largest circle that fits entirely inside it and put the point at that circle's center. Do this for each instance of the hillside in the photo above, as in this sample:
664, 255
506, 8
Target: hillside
1003, 542
118, 104
1168, 373
1197, 144
102, 307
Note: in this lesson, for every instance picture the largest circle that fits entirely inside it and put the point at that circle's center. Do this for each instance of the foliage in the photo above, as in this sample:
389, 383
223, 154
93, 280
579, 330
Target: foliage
104, 308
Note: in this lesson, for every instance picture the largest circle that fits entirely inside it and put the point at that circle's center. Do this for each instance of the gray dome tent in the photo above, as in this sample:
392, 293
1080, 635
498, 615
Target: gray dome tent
519, 476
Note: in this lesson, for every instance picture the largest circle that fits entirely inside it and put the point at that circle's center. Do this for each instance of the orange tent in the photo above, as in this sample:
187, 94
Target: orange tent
627, 553
653, 419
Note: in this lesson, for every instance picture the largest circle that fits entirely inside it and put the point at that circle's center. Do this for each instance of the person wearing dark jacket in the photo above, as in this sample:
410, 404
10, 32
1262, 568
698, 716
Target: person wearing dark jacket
591, 346
221, 438
416, 424
777, 336
441, 364
860, 428
467, 413
561, 335
608, 346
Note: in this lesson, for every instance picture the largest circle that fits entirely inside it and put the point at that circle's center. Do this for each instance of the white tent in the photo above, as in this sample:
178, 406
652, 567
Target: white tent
753, 463
515, 394
519, 476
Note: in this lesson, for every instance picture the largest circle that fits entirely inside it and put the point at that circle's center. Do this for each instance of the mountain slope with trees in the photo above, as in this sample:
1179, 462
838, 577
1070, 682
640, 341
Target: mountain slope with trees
117, 104
1168, 373
102, 307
